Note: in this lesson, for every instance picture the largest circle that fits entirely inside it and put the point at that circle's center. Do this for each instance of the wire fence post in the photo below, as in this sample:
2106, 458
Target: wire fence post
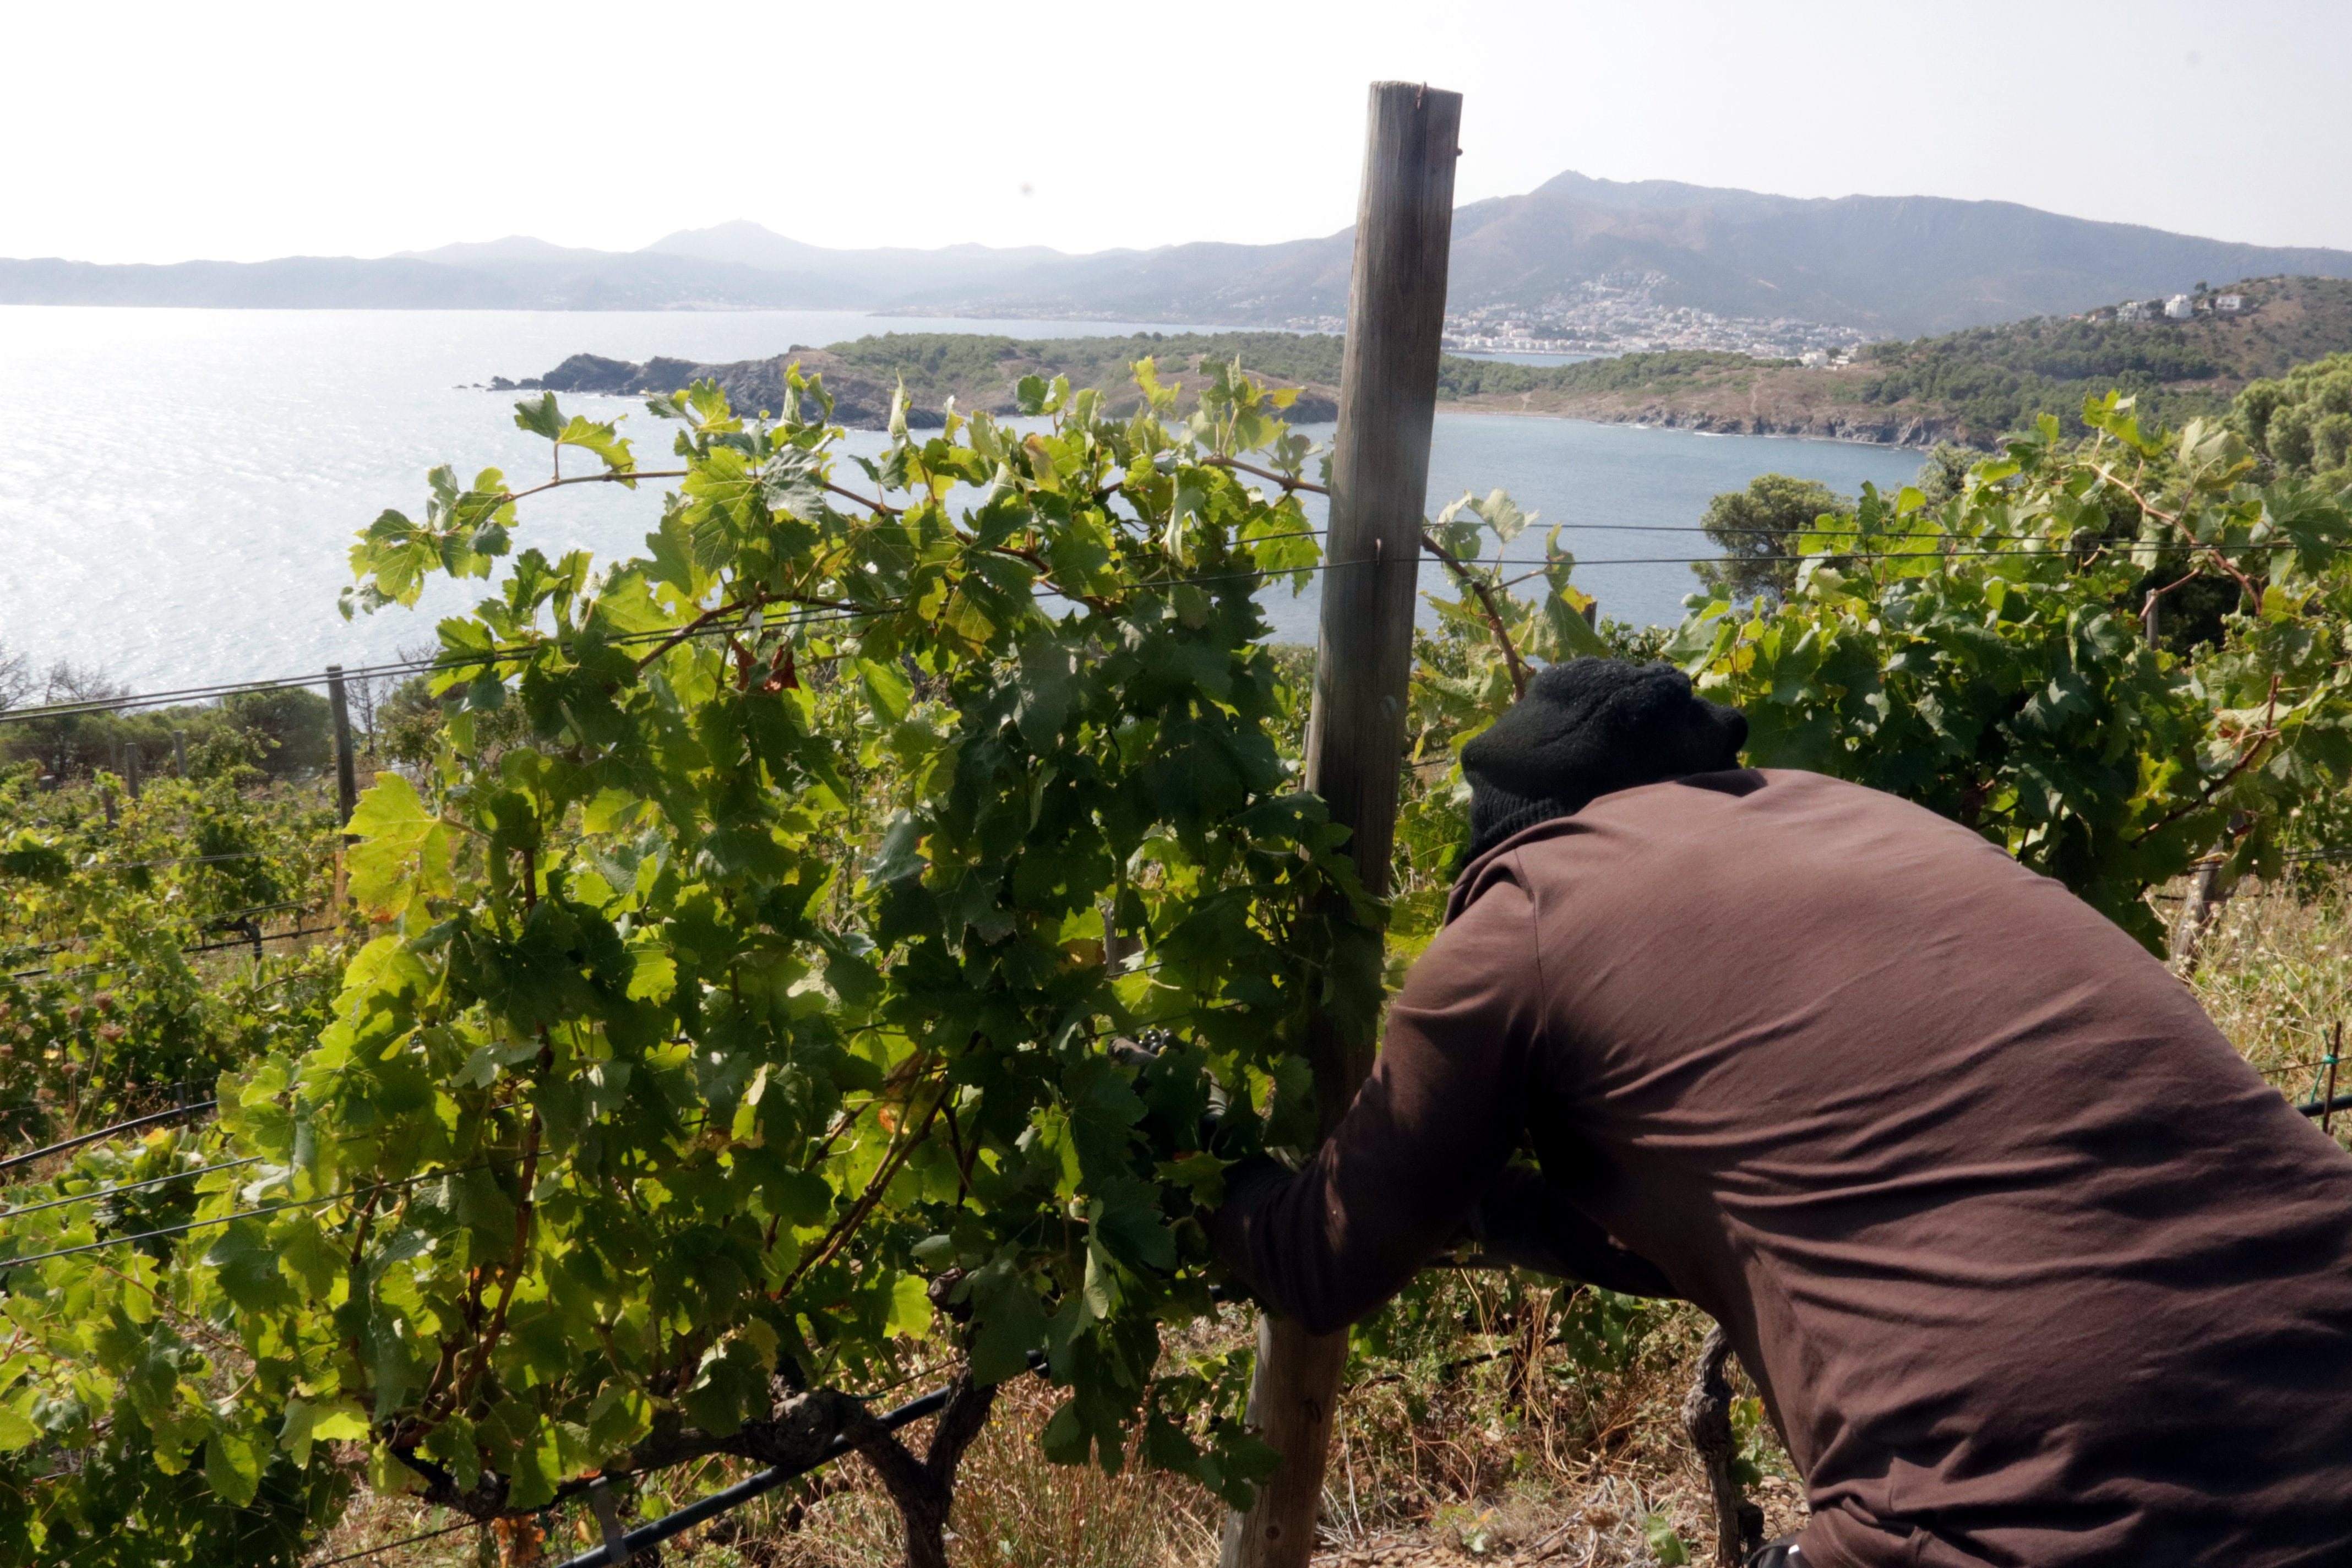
347, 789
2328, 1095
2151, 618
131, 761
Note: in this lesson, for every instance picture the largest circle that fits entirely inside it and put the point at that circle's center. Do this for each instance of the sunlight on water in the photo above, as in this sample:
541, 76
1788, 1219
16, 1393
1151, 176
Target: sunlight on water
178, 488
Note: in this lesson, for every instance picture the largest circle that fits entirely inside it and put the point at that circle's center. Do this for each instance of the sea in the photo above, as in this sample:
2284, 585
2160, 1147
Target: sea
179, 489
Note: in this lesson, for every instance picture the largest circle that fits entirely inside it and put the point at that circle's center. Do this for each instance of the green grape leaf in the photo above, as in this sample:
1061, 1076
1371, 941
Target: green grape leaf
402, 855
247, 1268
1007, 1323
233, 1463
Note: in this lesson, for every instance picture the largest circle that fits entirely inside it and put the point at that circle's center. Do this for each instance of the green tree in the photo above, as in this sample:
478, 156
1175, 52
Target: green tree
1753, 528
1945, 473
2302, 421
295, 729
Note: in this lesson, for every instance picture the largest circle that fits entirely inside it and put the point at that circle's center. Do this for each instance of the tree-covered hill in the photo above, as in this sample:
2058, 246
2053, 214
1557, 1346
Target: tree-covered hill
1972, 386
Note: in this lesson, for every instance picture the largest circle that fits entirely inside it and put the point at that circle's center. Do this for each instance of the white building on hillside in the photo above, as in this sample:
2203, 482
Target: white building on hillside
2180, 308
2229, 304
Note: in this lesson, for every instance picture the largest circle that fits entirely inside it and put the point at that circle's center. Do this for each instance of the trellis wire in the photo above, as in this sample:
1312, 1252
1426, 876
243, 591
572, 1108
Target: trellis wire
13, 1160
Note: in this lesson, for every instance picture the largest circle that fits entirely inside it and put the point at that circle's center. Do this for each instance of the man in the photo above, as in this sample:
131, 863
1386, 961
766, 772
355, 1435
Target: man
2030, 1267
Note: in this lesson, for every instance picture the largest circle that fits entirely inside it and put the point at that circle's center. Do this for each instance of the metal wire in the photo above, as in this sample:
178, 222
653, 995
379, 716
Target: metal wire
446, 662
189, 952
13, 1160
396, 1545
8, 1263
127, 1187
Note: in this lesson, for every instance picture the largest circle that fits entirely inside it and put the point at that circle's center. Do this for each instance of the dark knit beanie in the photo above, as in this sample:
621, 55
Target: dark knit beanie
1584, 728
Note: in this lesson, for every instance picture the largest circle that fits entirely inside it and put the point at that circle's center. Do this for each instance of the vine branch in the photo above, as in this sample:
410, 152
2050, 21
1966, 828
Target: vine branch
2148, 509
847, 1226
1486, 593
700, 621
465, 1386
2264, 737
1287, 481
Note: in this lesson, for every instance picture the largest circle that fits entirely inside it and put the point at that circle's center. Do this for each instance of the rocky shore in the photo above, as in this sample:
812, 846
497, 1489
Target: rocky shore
1758, 399
751, 386
862, 379
1874, 427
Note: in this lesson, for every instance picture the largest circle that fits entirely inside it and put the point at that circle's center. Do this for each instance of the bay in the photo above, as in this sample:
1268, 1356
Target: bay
179, 488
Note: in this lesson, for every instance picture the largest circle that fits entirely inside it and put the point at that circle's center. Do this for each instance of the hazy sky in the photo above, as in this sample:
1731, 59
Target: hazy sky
159, 133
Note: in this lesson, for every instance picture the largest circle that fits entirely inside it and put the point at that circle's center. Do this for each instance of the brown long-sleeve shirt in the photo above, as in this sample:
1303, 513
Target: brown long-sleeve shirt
2031, 1267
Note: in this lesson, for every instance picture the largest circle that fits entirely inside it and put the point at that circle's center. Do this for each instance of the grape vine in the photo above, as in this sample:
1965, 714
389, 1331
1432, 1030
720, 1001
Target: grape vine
772, 998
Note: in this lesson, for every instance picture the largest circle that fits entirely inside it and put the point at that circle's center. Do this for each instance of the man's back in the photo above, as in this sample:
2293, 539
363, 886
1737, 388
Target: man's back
2033, 1268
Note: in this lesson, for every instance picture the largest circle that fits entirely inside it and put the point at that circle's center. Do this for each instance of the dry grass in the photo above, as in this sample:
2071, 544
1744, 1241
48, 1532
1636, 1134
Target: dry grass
1518, 1458
1526, 1456
1013, 1510
2274, 975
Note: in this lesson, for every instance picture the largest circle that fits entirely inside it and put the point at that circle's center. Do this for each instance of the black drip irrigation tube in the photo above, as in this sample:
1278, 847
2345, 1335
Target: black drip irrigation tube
743, 1491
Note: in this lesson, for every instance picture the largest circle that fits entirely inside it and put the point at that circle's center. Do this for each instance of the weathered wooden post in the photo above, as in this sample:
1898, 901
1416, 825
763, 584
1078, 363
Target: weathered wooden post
131, 769
347, 789
1355, 733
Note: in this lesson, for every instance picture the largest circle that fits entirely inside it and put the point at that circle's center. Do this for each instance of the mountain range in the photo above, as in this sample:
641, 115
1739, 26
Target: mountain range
1575, 248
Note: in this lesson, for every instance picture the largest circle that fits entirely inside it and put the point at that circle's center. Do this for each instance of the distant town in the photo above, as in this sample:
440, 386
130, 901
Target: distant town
1618, 314
1621, 313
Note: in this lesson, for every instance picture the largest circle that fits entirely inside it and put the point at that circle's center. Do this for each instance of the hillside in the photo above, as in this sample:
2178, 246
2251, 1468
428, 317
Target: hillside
1895, 266
1614, 266
1609, 263
1971, 387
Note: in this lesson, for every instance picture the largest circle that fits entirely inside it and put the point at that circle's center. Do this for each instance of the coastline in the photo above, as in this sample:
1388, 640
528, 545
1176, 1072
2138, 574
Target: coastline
1916, 434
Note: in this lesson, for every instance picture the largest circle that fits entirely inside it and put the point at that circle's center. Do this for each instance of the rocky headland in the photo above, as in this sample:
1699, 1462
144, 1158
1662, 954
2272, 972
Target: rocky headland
977, 372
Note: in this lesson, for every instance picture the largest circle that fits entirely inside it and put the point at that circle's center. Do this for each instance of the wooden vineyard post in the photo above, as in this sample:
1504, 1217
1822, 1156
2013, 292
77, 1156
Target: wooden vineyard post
1355, 732
347, 789
347, 792
131, 770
